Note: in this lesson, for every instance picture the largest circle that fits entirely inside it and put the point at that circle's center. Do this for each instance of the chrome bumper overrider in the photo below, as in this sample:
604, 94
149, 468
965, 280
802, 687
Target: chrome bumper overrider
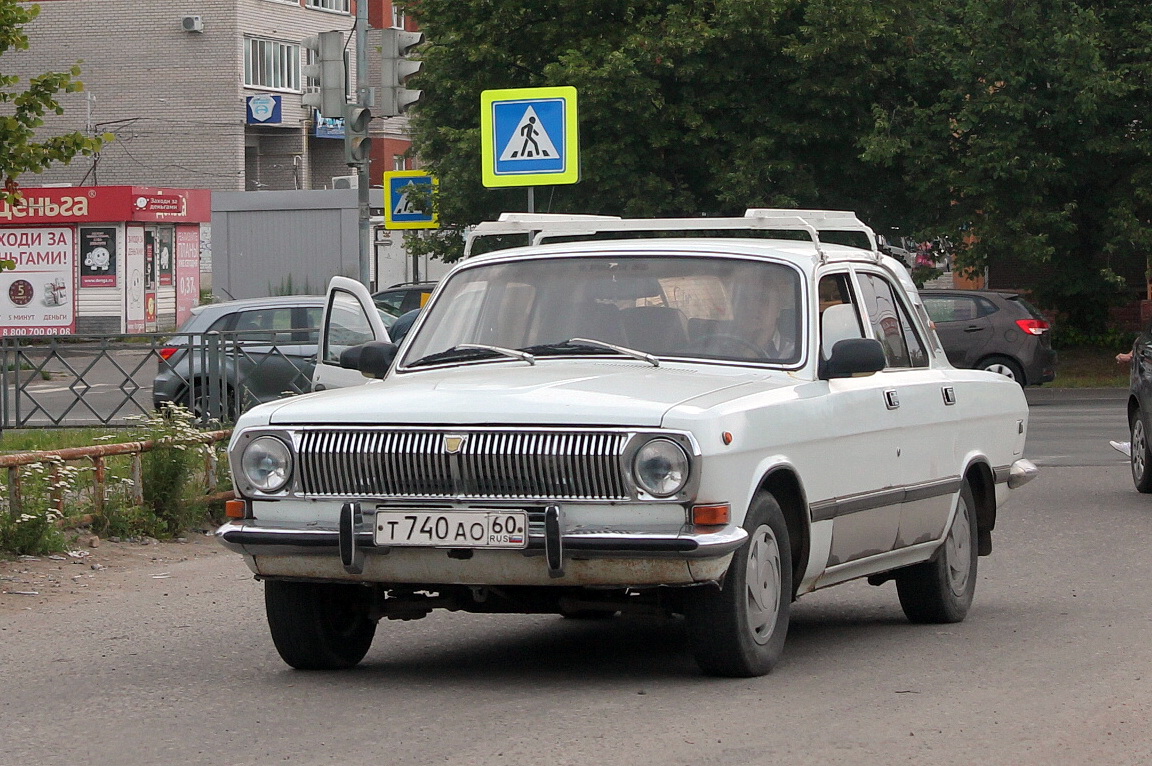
1021, 472
352, 539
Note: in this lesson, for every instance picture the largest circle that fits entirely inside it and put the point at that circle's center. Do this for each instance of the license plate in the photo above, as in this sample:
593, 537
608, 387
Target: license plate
453, 529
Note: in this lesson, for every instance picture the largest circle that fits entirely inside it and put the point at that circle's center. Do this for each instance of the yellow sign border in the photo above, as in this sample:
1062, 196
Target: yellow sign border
388, 222
571, 173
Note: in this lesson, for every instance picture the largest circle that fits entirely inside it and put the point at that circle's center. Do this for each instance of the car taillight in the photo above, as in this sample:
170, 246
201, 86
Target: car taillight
166, 352
1033, 326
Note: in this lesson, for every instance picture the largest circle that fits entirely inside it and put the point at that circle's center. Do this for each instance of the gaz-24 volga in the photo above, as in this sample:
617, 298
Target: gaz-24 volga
701, 419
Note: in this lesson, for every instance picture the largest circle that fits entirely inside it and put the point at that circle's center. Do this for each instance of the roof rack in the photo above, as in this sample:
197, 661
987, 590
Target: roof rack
539, 227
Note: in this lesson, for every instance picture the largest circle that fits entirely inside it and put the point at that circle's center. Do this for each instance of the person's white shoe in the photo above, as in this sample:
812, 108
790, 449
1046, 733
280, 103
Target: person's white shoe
1124, 448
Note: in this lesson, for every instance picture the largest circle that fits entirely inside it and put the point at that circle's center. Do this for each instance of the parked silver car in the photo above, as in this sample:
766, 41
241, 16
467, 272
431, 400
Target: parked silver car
266, 349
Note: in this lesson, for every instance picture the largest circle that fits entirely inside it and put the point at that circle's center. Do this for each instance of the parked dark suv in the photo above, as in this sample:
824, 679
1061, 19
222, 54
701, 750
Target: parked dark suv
995, 331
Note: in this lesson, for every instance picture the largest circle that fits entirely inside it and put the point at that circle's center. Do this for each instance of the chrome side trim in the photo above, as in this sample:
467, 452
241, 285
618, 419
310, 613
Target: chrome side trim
895, 559
826, 510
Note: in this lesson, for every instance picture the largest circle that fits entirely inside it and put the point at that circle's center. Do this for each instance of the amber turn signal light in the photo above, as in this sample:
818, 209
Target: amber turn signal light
236, 509
711, 515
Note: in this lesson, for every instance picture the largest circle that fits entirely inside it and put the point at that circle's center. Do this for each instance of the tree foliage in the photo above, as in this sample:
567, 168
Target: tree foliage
1025, 132
24, 109
1014, 126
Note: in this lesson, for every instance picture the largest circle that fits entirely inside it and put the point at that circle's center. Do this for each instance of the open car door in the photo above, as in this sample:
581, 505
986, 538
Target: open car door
350, 318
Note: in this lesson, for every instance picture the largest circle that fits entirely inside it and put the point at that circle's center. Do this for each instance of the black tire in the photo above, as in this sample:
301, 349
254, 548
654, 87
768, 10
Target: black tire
319, 626
1140, 453
941, 590
737, 630
1009, 368
196, 400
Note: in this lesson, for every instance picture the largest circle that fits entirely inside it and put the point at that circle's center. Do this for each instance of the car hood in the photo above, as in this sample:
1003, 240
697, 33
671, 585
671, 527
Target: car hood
553, 392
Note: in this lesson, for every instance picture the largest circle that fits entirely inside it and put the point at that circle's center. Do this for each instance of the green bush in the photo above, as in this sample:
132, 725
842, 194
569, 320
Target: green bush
1113, 339
169, 466
31, 529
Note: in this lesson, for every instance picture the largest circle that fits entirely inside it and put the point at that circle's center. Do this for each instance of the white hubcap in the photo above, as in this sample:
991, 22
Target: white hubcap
1138, 449
763, 576
1003, 369
958, 549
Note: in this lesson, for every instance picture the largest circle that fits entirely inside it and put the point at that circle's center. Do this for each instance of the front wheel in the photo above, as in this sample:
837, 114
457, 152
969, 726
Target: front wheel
1139, 454
941, 590
319, 626
739, 630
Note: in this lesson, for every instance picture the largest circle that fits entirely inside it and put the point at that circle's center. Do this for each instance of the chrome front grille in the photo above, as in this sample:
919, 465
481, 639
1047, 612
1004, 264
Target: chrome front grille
495, 464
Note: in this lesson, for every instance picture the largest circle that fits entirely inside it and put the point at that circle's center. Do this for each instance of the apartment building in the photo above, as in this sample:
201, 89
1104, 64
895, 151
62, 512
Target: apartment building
202, 94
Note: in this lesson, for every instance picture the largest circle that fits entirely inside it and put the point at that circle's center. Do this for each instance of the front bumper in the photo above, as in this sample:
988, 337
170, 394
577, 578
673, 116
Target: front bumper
555, 554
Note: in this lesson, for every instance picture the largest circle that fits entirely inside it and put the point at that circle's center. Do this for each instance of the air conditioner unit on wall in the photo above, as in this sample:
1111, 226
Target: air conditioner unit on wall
345, 182
192, 24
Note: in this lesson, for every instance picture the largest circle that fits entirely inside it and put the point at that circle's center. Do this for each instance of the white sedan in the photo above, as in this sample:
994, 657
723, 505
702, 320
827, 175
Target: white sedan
708, 426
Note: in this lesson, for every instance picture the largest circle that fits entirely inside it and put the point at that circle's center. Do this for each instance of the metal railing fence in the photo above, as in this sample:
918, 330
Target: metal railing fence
107, 380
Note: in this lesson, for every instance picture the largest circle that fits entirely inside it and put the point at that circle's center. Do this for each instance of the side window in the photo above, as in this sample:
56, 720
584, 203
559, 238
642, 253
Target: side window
257, 325
391, 302
951, 308
985, 307
891, 324
313, 316
839, 319
347, 326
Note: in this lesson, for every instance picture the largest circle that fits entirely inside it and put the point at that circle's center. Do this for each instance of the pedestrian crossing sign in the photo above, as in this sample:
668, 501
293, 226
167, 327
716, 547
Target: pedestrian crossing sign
529, 137
408, 200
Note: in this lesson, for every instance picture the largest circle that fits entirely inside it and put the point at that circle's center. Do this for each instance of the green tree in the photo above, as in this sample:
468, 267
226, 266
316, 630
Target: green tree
24, 112
1013, 127
1023, 131
686, 108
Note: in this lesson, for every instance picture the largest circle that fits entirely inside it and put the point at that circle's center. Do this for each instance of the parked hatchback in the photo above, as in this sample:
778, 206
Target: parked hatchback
996, 331
268, 349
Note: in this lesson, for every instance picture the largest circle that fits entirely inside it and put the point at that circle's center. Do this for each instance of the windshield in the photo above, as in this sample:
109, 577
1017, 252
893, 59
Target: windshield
710, 307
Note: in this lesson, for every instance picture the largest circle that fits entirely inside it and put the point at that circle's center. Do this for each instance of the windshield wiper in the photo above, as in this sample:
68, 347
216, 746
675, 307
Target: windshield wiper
467, 351
590, 344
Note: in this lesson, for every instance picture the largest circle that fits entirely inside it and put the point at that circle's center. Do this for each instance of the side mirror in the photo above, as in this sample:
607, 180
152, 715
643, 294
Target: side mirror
372, 359
854, 356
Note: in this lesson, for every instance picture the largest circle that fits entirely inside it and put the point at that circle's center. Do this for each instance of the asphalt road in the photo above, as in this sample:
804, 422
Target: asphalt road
1053, 664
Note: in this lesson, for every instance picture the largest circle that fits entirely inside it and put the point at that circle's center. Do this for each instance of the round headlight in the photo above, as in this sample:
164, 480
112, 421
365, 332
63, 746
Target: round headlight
267, 464
661, 468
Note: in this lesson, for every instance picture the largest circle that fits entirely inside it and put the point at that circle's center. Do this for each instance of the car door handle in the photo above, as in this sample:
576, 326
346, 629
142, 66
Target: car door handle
973, 328
891, 400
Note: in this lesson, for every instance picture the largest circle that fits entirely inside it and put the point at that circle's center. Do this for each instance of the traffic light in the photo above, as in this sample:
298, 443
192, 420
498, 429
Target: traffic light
357, 144
397, 68
327, 68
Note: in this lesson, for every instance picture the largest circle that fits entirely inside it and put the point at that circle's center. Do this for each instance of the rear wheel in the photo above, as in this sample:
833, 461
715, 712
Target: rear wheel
197, 401
1005, 366
319, 626
941, 590
739, 630
1140, 454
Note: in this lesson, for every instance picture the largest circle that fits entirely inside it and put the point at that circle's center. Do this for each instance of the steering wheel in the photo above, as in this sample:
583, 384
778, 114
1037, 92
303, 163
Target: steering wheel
732, 341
